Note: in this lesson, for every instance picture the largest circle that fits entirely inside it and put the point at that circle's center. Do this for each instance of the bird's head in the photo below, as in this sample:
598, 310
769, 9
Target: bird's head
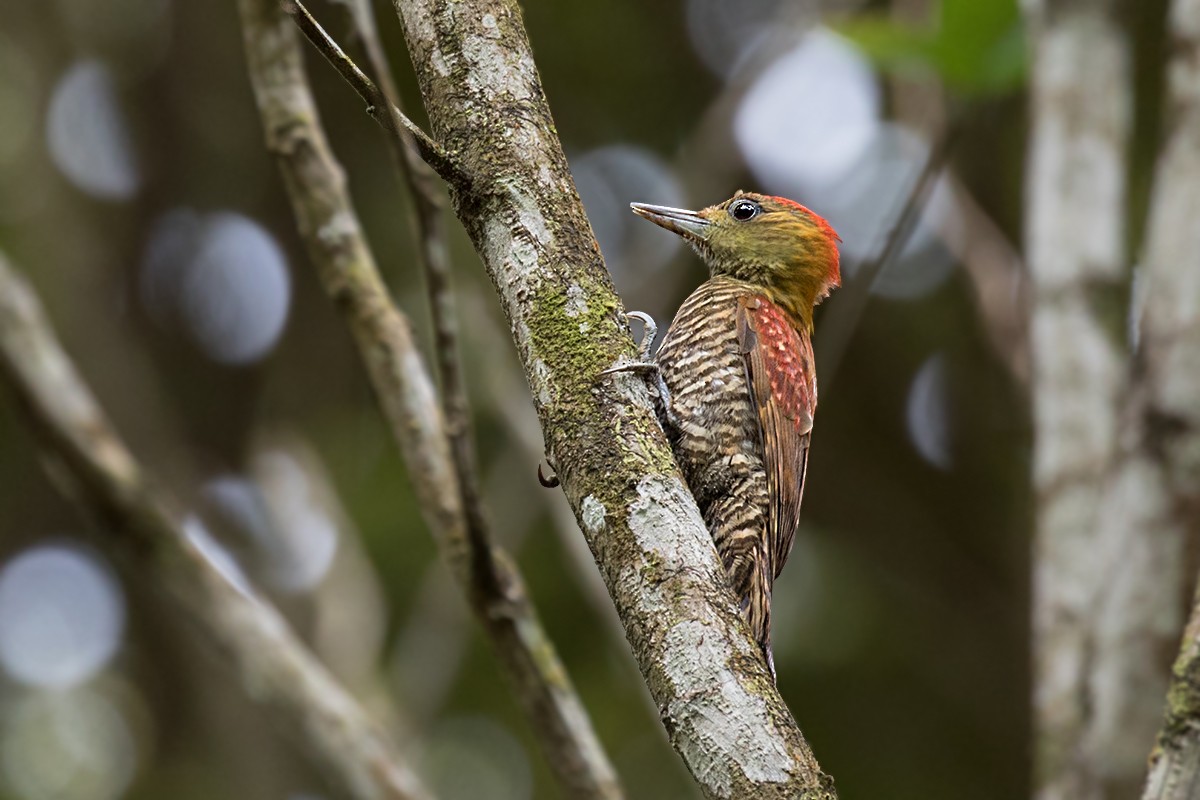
770, 242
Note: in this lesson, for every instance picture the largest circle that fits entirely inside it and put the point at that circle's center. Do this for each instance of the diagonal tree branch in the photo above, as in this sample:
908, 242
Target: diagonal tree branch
719, 705
847, 309
338, 248
273, 665
433, 257
378, 105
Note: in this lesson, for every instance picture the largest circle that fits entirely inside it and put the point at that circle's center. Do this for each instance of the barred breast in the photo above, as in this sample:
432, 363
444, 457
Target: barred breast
714, 431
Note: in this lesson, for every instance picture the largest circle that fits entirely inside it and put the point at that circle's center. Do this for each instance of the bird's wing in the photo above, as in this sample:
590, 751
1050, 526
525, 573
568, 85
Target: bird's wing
779, 367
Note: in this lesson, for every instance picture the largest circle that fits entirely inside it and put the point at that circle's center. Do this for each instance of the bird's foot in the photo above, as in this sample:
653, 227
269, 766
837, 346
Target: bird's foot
649, 333
649, 370
643, 368
652, 375
548, 481
644, 365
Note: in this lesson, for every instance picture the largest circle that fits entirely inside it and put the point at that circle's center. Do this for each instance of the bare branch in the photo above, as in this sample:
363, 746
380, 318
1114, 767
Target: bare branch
848, 305
338, 248
273, 665
435, 266
719, 705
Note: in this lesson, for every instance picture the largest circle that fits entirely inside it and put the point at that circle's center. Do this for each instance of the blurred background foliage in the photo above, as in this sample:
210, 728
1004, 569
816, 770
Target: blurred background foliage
135, 190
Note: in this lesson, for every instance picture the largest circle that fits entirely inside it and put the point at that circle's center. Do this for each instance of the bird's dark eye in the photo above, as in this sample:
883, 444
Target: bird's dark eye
744, 210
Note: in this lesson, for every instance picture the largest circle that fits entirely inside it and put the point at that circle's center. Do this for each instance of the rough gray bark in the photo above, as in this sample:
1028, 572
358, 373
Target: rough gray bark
99, 474
518, 203
1075, 242
1115, 465
338, 248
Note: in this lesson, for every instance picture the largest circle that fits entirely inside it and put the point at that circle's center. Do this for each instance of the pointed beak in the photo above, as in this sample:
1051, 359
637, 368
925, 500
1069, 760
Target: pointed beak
687, 224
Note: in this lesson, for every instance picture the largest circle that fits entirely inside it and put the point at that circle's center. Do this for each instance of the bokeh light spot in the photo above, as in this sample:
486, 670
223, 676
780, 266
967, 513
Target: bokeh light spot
221, 279
198, 536
811, 115
87, 135
724, 33
62, 616
928, 413
609, 179
304, 538
72, 746
865, 207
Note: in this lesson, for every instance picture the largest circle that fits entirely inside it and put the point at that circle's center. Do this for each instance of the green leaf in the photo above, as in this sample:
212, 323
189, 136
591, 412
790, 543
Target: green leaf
974, 46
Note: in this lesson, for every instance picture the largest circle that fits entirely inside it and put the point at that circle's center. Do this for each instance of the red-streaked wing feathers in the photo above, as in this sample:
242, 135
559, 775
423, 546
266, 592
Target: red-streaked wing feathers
779, 366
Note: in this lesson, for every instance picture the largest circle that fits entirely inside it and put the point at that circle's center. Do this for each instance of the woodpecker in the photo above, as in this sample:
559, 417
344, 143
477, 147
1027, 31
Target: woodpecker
736, 381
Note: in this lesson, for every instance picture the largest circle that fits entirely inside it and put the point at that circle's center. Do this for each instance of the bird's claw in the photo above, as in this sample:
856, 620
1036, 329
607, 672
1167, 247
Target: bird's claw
644, 365
547, 481
638, 367
649, 333
648, 369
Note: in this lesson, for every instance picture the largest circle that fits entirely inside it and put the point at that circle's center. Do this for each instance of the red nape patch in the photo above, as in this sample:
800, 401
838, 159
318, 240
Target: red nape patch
834, 277
821, 222
788, 357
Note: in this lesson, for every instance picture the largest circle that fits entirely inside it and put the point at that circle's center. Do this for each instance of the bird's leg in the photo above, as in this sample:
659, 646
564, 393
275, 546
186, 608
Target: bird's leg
648, 369
551, 481
645, 362
645, 365
649, 333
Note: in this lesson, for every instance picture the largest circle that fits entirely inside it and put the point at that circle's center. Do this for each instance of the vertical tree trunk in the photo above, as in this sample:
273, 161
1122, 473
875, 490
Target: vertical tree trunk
1094, 693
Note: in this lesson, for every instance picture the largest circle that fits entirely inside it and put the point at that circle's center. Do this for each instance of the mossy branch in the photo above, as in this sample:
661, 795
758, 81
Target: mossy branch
1175, 761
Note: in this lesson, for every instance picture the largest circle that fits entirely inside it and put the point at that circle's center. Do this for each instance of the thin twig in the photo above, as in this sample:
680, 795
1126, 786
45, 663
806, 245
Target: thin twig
435, 266
383, 112
849, 303
338, 248
273, 665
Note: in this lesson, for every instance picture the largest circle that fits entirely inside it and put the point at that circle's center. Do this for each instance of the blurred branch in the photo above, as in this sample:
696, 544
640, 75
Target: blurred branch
1102, 592
378, 106
994, 267
338, 248
839, 325
435, 265
505, 387
1000, 279
721, 710
1165, 464
274, 666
